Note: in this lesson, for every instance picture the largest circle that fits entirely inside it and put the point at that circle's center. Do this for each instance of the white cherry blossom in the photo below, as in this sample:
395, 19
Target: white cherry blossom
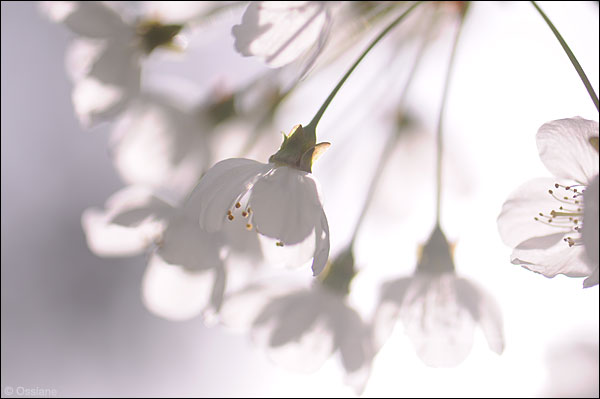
278, 201
104, 61
543, 219
439, 310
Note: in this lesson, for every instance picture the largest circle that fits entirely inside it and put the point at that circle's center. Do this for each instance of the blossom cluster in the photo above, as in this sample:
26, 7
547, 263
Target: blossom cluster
247, 244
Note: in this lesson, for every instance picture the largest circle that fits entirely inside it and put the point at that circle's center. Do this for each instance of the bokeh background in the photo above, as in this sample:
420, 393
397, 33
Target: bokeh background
75, 323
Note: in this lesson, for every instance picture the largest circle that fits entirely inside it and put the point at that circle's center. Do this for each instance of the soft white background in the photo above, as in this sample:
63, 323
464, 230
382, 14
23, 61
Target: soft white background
75, 323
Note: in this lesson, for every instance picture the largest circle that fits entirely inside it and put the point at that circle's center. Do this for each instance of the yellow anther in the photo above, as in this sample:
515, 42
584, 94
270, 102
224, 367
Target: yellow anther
244, 213
230, 216
237, 205
248, 226
279, 244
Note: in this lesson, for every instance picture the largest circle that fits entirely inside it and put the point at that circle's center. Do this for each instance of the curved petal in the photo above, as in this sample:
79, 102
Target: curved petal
107, 239
484, 310
321, 245
286, 205
388, 309
220, 187
516, 222
565, 149
279, 32
551, 259
185, 244
86, 18
175, 293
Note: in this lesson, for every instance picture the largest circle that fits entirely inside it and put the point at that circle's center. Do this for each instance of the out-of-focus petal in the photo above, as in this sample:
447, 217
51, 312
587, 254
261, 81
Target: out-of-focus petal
565, 149
279, 32
439, 327
484, 310
516, 221
107, 239
86, 18
221, 186
388, 310
174, 292
185, 244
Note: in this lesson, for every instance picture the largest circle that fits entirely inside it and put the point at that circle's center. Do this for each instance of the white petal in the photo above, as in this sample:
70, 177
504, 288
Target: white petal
484, 310
321, 245
592, 280
589, 230
131, 221
87, 18
107, 239
550, 256
296, 331
169, 12
113, 80
221, 186
565, 150
439, 327
286, 205
279, 32
388, 310
159, 144
81, 55
185, 244
516, 221
174, 292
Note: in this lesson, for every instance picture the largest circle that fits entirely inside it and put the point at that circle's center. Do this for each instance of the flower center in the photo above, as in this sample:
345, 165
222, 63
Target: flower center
244, 211
154, 34
569, 214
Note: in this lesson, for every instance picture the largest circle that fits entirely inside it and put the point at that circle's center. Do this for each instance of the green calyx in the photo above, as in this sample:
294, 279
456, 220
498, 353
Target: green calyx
299, 149
339, 274
436, 255
154, 34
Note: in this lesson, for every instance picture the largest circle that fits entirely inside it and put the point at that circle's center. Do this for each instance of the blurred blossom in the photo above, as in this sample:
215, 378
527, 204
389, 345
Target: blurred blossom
280, 32
543, 220
104, 61
186, 274
439, 310
302, 327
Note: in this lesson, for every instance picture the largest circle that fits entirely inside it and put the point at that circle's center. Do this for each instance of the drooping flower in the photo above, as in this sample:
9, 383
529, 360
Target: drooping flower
187, 269
104, 62
544, 219
439, 310
302, 327
280, 199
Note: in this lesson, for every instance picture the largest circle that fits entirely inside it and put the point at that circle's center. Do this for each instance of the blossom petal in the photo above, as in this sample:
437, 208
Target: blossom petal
565, 149
388, 310
484, 310
176, 293
516, 222
113, 80
439, 327
185, 244
321, 245
86, 18
286, 205
222, 185
279, 32
541, 256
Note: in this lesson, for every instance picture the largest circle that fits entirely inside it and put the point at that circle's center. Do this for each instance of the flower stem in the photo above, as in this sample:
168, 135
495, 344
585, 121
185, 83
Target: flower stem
315, 120
440, 145
390, 144
571, 56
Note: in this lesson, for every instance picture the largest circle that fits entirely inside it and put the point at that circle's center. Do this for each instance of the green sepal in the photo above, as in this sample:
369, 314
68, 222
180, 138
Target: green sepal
299, 149
594, 142
154, 34
338, 274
